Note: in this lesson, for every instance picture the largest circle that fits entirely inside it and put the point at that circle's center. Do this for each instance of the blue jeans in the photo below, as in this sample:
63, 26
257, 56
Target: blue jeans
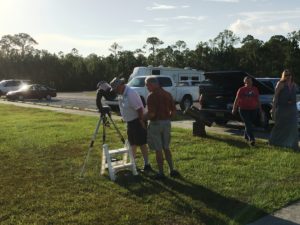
249, 117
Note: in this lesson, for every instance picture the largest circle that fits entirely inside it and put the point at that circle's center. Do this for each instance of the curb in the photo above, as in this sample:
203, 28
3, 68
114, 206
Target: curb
50, 105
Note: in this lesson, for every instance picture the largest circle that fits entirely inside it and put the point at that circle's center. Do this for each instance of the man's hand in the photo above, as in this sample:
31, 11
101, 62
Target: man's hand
143, 124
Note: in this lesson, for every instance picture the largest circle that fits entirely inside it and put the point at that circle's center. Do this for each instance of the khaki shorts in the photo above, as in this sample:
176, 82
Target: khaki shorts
159, 134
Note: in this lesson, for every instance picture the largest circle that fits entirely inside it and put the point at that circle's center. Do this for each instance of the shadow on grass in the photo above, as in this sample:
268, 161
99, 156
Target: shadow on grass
239, 143
196, 202
191, 200
238, 130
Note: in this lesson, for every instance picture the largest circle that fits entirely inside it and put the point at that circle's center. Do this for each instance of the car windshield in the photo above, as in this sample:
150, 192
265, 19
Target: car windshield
137, 82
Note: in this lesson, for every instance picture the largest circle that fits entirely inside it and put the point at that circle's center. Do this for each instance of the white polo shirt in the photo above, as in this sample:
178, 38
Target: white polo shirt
129, 103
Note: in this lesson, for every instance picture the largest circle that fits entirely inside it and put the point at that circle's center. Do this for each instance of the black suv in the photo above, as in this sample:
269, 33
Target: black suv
217, 95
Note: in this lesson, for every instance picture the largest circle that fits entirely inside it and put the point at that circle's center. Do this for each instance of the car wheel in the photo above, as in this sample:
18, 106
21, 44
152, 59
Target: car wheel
21, 98
186, 103
48, 97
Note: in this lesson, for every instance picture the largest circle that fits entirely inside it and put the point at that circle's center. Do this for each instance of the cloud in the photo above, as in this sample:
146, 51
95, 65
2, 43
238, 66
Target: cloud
226, 1
183, 18
265, 22
189, 18
271, 16
138, 21
160, 7
155, 25
240, 27
157, 6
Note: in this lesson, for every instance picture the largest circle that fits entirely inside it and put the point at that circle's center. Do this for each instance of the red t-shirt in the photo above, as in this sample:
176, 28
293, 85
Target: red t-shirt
248, 98
160, 104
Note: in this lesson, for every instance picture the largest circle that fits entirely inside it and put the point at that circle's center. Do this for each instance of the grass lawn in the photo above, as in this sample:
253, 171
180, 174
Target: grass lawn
224, 181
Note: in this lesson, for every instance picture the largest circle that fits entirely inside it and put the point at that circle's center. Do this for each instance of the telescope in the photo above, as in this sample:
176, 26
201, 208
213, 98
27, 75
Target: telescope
106, 91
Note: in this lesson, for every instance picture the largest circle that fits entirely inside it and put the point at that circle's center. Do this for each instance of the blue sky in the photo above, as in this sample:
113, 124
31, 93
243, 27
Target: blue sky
92, 26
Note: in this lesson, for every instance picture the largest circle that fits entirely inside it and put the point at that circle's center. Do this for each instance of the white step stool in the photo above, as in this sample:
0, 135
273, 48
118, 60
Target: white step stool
114, 167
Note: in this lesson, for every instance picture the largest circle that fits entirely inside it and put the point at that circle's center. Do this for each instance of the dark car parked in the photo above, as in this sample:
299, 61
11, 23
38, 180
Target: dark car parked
218, 94
269, 81
33, 91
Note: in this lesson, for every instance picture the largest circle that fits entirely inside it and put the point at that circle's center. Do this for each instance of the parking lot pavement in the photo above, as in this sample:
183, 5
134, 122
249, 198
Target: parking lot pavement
289, 215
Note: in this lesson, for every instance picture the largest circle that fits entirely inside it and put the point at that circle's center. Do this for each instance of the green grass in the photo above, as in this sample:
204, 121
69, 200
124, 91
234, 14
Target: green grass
224, 181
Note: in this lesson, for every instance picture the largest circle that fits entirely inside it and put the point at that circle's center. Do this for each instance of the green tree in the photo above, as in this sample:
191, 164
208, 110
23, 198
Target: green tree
154, 42
225, 40
115, 48
275, 52
7, 43
250, 55
180, 45
293, 56
25, 43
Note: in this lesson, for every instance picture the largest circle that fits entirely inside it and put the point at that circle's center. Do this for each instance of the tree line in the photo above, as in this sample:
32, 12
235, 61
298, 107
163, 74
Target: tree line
19, 58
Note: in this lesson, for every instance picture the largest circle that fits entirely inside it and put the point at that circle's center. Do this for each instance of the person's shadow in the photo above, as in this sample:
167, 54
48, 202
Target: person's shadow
192, 200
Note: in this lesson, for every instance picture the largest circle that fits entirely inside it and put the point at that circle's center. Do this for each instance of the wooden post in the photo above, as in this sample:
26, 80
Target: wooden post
199, 129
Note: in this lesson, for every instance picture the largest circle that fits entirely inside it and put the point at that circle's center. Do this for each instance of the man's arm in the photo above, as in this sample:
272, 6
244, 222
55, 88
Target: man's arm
151, 107
173, 107
140, 112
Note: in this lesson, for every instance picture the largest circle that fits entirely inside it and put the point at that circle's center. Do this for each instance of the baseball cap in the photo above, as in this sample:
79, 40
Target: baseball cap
116, 82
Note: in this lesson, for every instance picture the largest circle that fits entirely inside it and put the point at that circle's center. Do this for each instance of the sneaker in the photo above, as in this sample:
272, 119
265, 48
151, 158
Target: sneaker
159, 176
174, 173
147, 168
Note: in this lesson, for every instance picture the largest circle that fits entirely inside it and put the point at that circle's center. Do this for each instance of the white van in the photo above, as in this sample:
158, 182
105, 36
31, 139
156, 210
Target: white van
184, 95
180, 77
177, 74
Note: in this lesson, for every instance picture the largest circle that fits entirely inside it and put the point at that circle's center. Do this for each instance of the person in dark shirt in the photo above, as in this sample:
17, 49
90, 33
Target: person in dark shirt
247, 101
161, 108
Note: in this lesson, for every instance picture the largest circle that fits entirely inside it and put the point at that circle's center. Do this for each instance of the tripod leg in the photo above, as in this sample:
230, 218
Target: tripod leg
116, 128
91, 146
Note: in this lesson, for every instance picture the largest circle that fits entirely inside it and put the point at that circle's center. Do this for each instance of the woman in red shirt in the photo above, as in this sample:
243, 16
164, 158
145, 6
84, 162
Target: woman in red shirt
247, 101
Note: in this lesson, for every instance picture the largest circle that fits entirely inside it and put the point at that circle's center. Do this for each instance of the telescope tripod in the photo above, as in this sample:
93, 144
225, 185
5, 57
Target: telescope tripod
104, 120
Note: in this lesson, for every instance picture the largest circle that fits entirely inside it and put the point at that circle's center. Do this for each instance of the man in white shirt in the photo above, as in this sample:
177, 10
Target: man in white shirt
132, 111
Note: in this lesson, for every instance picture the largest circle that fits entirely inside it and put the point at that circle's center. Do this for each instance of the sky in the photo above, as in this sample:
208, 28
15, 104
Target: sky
92, 26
